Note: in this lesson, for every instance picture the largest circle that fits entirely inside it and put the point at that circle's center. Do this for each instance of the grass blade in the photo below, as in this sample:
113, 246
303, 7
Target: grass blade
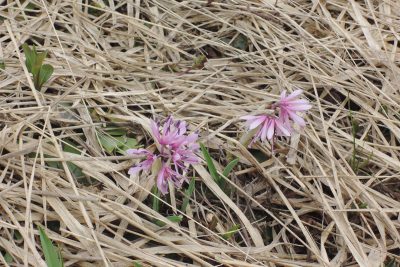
188, 194
230, 167
51, 253
210, 165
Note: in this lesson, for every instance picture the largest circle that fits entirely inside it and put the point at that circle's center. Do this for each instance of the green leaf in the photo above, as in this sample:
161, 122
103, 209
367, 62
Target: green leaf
137, 264
156, 199
115, 131
188, 193
210, 164
30, 57
124, 143
230, 167
70, 147
8, 258
45, 73
17, 235
51, 253
173, 218
233, 230
363, 205
2, 65
76, 171
108, 143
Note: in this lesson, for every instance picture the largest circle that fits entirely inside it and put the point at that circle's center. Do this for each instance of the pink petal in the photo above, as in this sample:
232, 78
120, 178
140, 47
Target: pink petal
300, 107
271, 129
155, 130
162, 182
297, 119
282, 128
257, 122
283, 94
134, 170
264, 130
293, 95
137, 152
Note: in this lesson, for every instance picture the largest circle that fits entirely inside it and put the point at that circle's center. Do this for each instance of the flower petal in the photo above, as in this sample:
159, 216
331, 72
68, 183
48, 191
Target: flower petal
162, 182
297, 119
271, 129
137, 152
257, 122
293, 95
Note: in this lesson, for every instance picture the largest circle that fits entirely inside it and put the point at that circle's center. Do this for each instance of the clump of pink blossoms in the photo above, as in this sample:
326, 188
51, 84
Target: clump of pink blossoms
270, 126
176, 151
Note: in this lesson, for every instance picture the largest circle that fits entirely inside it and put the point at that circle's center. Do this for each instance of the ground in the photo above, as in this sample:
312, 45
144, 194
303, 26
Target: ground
327, 196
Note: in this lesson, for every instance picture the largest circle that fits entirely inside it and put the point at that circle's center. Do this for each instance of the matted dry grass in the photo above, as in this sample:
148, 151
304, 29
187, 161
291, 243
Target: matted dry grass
118, 63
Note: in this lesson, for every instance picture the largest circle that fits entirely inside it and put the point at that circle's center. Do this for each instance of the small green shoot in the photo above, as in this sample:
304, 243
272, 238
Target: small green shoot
219, 179
188, 193
210, 164
137, 264
156, 199
52, 255
172, 218
231, 232
34, 63
363, 205
2, 65
76, 171
199, 61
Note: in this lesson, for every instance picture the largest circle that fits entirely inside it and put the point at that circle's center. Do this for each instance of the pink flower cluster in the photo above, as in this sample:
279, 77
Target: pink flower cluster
175, 149
270, 126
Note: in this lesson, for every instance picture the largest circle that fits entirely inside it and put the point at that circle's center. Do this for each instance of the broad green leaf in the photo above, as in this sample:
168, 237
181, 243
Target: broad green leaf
173, 218
45, 73
188, 194
70, 147
233, 230
124, 143
115, 131
75, 170
51, 253
210, 164
130, 143
109, 143
230, 167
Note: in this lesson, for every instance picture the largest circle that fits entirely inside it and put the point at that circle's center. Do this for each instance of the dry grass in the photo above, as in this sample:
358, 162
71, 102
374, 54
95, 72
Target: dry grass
118, 63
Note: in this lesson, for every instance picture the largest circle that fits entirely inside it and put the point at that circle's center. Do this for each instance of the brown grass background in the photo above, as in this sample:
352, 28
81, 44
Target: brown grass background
118, 63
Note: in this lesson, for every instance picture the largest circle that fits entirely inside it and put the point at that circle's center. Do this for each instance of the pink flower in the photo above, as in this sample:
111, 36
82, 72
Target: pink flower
176, 150
167, 174
290, 105
144, 165
269, 126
